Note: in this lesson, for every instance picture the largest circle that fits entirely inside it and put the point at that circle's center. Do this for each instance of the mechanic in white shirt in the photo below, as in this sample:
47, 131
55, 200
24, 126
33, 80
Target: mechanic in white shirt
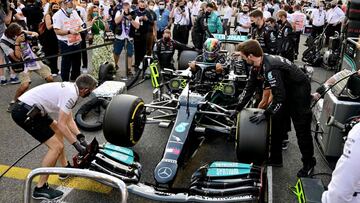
228, 13
243, 22
335, 17
31, 114
67, 26
344, 186
318, 17
298, 21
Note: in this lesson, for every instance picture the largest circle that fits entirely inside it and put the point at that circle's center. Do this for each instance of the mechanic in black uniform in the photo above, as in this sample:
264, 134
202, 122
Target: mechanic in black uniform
164, 50
200, 31
263, 33
285, 37
290, 87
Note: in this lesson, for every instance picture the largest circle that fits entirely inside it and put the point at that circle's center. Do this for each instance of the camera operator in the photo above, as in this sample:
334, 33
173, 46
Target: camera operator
31, 114
181, 18
126, 22
34, 14
67, 26
15, 44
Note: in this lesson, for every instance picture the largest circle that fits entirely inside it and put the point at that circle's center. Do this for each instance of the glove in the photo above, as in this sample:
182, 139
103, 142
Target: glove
81, 149
81, 138
257, 118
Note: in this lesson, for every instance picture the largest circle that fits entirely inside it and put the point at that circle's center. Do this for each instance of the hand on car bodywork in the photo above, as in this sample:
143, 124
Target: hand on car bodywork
218, 68
257, 118
192, 66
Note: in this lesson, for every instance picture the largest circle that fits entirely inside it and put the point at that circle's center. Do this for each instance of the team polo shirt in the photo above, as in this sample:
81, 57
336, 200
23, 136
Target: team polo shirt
53, 96
64, 22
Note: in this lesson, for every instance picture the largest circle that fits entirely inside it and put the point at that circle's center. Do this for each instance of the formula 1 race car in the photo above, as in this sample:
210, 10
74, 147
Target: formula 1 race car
195, 106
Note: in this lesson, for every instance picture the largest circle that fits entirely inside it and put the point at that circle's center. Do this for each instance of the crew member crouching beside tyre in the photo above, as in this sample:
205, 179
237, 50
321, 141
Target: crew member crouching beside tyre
290, 87
30, 113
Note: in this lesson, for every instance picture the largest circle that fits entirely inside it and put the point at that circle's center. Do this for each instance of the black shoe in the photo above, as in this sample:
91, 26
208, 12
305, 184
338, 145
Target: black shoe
10, 106
63, 177
47, 193
307, 169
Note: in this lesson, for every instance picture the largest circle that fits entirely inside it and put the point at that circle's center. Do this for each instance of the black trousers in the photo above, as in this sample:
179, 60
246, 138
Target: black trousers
181, 33
298, 105
316, 31
70, 62
139, 48
297, 42
330, 31
84, 53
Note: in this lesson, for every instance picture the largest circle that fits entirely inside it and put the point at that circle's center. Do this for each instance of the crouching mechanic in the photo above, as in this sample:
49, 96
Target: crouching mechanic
211, 49
291, 88
345, 182
30, 113
164, 50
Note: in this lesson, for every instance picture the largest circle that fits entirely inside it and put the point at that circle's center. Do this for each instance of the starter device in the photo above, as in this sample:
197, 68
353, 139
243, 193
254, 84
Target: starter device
351, 59
308, 190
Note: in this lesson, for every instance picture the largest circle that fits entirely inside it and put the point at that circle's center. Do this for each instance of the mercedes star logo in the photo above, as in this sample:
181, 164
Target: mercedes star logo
164, 172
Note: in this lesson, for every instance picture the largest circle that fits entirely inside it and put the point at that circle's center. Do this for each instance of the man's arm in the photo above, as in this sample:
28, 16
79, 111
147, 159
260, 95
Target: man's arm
72, 126
64, 120
274, 77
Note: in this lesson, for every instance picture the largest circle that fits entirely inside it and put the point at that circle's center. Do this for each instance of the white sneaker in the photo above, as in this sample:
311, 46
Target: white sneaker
84, 70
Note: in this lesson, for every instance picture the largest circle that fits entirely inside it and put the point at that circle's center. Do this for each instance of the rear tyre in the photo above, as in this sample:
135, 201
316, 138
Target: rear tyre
124, 120
92, 105
251, 139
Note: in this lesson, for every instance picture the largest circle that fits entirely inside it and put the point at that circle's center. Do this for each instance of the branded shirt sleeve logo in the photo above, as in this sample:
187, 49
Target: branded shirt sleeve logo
270, 77
70, 104
181, 127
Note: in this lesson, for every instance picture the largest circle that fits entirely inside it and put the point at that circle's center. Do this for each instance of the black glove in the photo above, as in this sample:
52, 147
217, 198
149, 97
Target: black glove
257, 117
81, 138
81, 149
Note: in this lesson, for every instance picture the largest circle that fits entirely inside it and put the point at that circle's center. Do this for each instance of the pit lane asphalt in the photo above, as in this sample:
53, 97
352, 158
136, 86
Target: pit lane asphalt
14, 142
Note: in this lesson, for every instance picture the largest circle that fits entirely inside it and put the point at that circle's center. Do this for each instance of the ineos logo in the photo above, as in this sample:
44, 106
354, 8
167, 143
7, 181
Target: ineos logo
164, 172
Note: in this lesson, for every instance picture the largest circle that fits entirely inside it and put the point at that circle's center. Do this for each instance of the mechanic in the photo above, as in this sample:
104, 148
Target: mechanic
345, 182
164, 50
211, 55
290, 87
285, 38
263, 33
31, 113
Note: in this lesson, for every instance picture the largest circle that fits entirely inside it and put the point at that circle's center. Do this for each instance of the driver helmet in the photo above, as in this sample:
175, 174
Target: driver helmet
211, 49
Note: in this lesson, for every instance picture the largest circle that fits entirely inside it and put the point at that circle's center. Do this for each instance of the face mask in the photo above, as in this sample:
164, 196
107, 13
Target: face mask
96, 4
95, 14
245, 12
279, 22
253, 24
141, 9
166, 39
207, 13
69, 10
55, 10
162, 7
333, 6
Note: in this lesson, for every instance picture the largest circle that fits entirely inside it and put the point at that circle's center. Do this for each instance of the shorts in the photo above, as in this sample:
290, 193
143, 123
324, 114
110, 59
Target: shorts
44, 72
39, 128
119, 45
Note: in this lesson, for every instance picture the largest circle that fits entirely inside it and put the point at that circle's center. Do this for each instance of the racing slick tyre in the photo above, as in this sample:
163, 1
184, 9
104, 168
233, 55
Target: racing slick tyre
123, 122
93, 104
185, 57
251, 139
106, 72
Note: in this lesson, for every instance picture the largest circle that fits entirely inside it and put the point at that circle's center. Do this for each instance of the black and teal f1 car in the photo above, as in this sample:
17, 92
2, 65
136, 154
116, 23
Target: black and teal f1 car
194, 106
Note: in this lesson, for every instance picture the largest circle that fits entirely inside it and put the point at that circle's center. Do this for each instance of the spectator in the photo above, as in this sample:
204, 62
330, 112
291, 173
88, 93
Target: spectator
151, 35
228, 13
102, 54
112, 12
49, 40
67, 24
298, 20
163, 19
34, 14
181, 15
243, 22
139, 39
195, 9
84, 56
318, 17
19, 49
335, 17
21, 18
213, 20
261, 7
5, 18
126, 23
